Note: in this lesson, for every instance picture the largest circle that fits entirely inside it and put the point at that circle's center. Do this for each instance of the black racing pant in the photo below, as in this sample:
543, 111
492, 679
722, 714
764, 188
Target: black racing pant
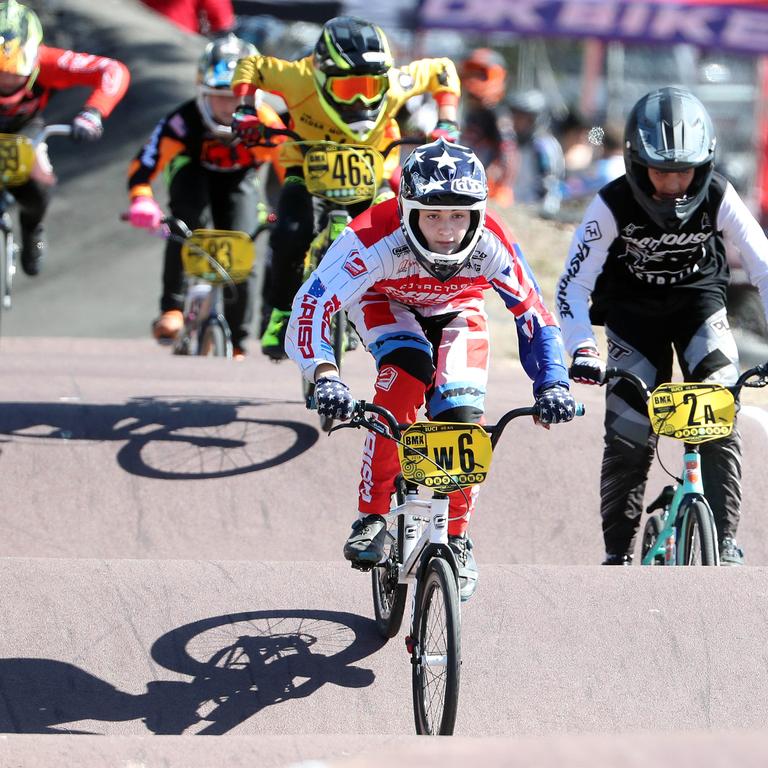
299, 217
32, 197
222, 200
696, 328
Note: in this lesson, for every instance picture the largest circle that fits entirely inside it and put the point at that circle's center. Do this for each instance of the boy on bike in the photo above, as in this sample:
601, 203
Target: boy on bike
211, 180
30, 73
650, 255
411, 274
347, 91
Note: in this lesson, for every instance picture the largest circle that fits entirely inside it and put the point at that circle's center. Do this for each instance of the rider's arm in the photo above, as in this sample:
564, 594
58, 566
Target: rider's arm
107, 78
541, 345
740, 227
585, 261
328, 290
167, 140
438, 77
269, 73
261, 154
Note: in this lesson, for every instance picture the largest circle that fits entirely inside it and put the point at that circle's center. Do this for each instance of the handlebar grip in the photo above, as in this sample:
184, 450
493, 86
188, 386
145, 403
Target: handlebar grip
581, 409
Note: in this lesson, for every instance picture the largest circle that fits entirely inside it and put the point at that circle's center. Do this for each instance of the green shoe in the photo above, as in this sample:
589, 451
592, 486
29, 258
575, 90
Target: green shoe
273, 340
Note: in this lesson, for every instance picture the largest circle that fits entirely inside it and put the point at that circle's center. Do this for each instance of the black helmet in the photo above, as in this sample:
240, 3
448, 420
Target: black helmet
442, 175
214, 75
351, 60
670, 130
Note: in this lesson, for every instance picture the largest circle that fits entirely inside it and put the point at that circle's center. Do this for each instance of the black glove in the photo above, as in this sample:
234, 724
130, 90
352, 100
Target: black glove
333, 398
247, 126
556, 405
587, 367
87, 125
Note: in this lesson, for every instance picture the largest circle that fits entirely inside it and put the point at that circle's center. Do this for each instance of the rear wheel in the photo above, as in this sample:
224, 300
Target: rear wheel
437, 651
696, 534
388, 595
214, 339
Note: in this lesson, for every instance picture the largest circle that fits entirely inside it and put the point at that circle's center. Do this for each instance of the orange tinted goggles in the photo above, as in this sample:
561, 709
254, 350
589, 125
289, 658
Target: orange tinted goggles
366, 88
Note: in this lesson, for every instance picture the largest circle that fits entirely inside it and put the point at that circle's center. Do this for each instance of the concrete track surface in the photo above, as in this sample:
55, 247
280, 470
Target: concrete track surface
171, 531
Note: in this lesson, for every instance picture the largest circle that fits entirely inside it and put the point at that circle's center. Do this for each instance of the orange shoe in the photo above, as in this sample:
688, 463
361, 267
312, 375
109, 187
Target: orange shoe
168, 325
238, 353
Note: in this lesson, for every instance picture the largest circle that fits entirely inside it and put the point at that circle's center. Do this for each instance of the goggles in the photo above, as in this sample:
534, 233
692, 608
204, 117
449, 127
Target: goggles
365, 88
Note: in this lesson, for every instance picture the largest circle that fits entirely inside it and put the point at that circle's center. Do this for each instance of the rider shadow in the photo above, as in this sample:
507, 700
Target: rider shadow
270, 657
168, 438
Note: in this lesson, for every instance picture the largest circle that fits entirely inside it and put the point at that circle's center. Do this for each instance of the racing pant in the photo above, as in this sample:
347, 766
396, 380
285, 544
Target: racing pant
222, 200
441, 359
697, 329
34, 196
299, 217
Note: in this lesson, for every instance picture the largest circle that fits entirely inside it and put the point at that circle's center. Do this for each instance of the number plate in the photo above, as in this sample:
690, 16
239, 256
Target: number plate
232, 251
343, 173
17, 157
693, 413
445, 456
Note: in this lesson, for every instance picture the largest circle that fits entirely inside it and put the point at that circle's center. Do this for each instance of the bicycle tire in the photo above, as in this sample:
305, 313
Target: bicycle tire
438, 599
214, 339
694, 525
651, 532
389, 596
5, 296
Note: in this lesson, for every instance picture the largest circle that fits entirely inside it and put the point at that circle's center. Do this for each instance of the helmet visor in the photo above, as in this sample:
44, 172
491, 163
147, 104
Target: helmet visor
365, 88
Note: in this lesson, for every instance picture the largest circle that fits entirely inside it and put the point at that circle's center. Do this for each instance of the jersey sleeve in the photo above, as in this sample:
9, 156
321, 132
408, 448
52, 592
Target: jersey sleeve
538, 335
437, 77
584, 263
107, 78
739, 227
166, 141
347, 270
267, 73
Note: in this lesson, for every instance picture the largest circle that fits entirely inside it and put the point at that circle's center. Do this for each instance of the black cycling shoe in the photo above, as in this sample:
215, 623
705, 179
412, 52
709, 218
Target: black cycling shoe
33, 248
462, 548
365, 545
730, 553
617, 560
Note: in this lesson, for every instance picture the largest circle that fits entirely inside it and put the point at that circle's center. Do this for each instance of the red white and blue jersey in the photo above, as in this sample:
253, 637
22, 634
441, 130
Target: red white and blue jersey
370, 268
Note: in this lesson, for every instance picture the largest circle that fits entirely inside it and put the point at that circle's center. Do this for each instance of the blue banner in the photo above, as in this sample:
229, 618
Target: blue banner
728, 27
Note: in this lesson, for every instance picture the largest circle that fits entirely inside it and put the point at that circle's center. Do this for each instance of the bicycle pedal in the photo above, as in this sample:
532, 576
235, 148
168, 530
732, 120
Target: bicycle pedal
364, 567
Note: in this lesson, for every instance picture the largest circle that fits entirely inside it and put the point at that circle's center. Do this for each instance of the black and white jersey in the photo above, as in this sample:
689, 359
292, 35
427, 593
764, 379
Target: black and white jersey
621, 259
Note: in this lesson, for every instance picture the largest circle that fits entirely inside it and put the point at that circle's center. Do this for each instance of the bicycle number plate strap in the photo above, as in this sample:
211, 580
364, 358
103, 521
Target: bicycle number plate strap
17, 157
343, 173
232, 251
445, 456
693, 413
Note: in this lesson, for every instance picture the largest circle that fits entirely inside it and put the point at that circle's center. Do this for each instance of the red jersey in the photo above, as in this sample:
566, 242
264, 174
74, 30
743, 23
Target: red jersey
187, 13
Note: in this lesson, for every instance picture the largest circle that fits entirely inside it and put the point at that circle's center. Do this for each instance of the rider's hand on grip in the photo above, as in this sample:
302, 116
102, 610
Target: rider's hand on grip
556, 405
587, 366
87, 125
446, 129
145, 213
247, 126
333, 398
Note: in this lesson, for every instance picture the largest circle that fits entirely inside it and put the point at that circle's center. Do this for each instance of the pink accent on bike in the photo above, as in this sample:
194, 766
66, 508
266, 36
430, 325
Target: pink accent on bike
145, 213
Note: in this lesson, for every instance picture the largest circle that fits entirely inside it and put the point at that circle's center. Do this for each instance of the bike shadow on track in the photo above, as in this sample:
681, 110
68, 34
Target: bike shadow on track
240, 664
169, 437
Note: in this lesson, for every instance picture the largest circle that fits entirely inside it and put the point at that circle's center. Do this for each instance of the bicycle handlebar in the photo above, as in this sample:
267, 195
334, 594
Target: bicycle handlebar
55, 129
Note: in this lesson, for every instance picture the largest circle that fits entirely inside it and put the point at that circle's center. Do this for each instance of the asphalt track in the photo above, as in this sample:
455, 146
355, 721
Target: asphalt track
170, 535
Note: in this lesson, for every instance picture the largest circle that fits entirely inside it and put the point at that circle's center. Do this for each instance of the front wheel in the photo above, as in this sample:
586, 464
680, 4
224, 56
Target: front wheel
696, 534
437, 651
215, 340
388, 594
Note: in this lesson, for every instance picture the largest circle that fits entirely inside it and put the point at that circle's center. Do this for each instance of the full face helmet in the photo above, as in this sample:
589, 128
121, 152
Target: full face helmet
20, 37
447, 176
532, 104
670, 130
351, 61
483, 74
214, 76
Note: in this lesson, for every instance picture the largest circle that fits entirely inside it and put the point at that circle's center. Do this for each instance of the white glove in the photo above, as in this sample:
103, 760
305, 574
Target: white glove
587, 367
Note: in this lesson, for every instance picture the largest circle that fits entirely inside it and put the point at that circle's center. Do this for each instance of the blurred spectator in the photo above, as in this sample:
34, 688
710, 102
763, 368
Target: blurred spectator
540, 166
608, 166
487, 123
202, 16
573, 134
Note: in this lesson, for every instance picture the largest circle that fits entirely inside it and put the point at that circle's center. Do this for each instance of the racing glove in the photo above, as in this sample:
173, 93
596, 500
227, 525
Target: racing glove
587, 366
446, 129
87, 125
145, 213
246, 125
556, 405
333, 398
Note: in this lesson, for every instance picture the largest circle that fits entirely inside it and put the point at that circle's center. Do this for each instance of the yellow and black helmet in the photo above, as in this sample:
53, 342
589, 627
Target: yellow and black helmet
20, 37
